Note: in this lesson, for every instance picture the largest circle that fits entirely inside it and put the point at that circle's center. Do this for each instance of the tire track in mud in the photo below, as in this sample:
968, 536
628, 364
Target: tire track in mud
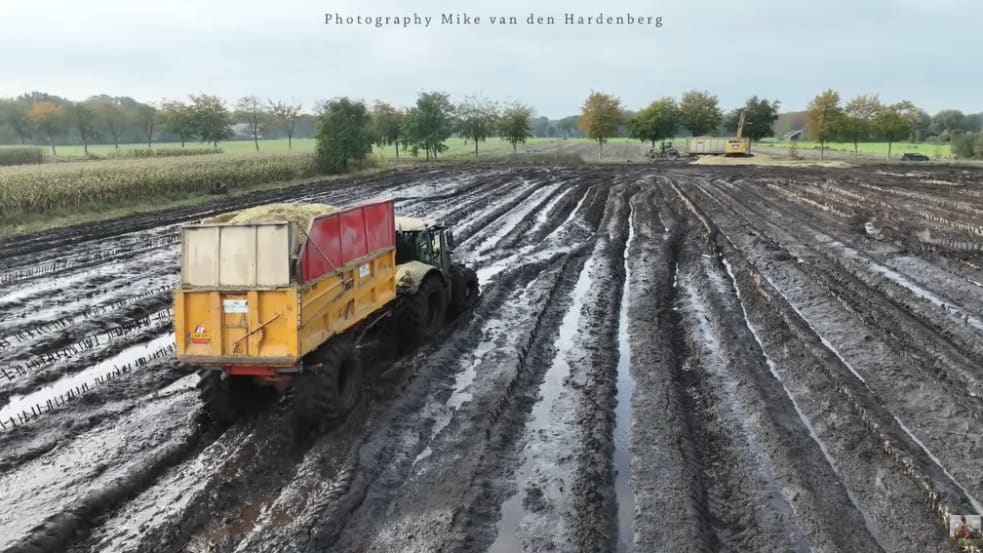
909, 486
115, 467
670, 512
923, 403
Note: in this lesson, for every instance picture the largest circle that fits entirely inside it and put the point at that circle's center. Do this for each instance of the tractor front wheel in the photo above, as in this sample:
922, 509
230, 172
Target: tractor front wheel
464, 289
423, 314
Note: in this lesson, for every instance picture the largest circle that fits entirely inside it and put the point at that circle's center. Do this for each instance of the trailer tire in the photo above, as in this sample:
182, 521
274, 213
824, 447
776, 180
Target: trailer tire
330, 387
216, 393
464, 289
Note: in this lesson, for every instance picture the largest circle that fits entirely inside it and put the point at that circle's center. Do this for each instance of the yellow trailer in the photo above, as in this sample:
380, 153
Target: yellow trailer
277, 297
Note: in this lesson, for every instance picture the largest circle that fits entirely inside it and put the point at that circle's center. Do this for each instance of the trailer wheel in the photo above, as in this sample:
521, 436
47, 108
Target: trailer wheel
464, 288
216, 392
423, 314
330, 387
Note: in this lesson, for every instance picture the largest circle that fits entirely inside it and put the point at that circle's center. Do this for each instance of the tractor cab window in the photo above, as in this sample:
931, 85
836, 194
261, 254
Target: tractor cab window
414, 246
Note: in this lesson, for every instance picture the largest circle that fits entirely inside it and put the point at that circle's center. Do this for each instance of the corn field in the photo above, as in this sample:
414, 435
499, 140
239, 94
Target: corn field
136, 153
21, 156
39, 190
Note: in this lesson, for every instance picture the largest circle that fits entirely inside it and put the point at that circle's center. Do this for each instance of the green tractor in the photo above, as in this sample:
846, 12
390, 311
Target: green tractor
432, 286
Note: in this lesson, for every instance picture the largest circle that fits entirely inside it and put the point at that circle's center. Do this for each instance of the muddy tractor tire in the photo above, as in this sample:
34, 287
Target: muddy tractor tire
464, 289
423, 314
225, 398
330, 385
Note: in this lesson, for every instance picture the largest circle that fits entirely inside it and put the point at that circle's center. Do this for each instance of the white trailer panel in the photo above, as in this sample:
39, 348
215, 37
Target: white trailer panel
245, 255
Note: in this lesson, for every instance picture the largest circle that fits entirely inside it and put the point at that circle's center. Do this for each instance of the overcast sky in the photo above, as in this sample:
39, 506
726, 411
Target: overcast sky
928, 51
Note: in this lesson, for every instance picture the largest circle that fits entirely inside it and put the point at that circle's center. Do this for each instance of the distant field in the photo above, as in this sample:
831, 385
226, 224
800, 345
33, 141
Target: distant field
940, 151
458, 148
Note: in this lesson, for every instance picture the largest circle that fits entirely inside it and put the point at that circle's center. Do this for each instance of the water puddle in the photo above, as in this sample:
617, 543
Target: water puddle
86, 378
622, 427
507, 540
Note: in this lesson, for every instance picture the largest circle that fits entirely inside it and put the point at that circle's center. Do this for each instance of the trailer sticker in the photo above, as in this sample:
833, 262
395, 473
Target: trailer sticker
235, 306
200, 335
364, 270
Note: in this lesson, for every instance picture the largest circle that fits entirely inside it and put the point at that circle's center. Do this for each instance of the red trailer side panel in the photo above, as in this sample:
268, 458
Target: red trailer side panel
337, 239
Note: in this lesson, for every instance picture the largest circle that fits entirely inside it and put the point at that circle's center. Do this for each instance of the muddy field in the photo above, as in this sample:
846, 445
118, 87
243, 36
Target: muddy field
664, 358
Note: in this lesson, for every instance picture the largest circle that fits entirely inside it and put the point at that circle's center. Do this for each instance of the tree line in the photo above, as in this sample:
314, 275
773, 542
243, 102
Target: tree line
38, 117
348, 129
866, 118
424, 127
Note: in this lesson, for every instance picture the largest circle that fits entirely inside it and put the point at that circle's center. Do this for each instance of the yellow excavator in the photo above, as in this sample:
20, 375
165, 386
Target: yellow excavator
738, 146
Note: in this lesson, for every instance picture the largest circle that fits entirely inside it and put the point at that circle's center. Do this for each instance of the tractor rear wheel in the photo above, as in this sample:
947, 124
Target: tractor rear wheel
423, 314
330, 386
464, 288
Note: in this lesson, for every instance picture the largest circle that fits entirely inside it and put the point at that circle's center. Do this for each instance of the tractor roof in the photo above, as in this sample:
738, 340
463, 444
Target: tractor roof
413, 224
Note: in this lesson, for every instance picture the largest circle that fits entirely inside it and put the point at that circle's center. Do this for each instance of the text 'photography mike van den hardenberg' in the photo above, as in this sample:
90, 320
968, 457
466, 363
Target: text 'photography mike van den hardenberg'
600, 19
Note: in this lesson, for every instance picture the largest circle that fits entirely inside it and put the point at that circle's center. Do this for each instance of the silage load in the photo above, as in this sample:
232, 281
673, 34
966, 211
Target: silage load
298, 215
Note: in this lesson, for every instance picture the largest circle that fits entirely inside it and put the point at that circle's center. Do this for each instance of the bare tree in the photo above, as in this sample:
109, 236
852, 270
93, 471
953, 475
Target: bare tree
146, 117
286, 115
252, 112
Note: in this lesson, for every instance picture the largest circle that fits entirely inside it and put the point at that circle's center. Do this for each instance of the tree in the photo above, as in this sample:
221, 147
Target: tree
896, 121
541, 127
210, 120
477, 119
286, 115
978, 146
430, 123
948, 121
759, 117
82, 117
963, 145
600, 117
973, 123
699, 112
658, 121
49, 119
568, 126
145, 118
515, 124
110, 116
175, 118
252, 112
343, 134
13, 113
860, 119
825, 116
387, 125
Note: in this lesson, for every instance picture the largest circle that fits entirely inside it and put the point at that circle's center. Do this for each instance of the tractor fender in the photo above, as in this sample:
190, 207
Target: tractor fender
410, 275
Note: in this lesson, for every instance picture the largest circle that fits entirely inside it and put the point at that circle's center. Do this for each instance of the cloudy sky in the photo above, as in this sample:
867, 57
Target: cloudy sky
928, 51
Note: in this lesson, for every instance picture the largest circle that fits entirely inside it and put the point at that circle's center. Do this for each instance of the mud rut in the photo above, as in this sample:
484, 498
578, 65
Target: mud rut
801, 350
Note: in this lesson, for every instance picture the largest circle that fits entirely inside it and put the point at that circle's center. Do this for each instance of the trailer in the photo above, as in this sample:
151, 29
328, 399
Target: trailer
707, 145
278, 305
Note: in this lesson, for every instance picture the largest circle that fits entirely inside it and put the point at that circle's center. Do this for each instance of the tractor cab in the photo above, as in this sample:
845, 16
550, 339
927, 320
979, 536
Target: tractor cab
425, 241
